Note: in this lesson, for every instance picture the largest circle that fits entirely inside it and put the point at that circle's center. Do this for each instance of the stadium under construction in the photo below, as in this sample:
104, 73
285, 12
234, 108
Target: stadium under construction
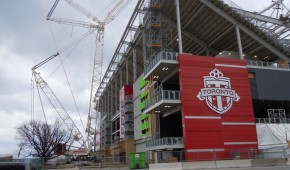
197, 80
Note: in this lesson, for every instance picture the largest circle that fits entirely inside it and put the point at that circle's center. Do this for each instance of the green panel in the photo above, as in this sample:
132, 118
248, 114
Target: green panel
142, 95
145, 125
142, 106
142, 116
141, 83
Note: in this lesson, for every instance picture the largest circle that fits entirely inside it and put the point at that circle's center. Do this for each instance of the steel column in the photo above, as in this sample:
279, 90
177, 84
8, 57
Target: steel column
127, 70
239, 42
116, 94
134, 64
178, 26
121, 80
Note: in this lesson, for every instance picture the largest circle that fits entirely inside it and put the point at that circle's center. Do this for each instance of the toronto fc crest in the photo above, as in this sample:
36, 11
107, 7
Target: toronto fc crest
217, 92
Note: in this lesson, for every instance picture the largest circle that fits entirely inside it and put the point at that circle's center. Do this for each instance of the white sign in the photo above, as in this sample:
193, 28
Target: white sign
217, 92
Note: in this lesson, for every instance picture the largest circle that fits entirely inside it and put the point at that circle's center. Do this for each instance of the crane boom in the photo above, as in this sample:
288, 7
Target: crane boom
44, 61
73, 22
84, 11
41, 83
116, 11
52, 9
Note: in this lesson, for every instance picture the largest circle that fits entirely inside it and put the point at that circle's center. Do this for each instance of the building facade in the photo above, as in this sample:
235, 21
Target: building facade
205, 102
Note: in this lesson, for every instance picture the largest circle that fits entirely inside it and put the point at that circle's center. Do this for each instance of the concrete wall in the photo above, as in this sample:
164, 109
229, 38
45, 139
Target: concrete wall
216, 164
140, 145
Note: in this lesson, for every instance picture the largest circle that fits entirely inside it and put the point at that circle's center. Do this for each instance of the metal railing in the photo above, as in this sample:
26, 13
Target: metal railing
160, 94
273, 120
167, 156
165, 141
163, 55
267, 64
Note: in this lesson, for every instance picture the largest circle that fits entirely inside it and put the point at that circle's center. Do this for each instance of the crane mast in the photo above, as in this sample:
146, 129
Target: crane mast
96, 79
98, 56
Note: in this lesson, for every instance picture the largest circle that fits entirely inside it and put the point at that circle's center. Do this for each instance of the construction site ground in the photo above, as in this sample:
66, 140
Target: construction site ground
257, 164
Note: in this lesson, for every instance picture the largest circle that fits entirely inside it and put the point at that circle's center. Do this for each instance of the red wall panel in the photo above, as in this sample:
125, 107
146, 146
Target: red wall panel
217, 111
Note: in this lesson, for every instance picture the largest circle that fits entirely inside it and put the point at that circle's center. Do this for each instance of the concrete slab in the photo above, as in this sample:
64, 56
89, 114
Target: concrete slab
166, 166
198, 165
234, 163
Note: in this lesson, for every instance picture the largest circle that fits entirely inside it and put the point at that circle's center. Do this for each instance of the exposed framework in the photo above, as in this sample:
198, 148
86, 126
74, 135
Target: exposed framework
278, 27
208, 28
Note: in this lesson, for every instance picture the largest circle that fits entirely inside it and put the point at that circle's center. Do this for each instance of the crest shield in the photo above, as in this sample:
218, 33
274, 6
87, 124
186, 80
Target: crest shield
217, 92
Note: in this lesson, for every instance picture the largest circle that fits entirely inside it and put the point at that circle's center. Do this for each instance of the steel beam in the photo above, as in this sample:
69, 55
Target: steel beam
260, 17
245, 30
192, 37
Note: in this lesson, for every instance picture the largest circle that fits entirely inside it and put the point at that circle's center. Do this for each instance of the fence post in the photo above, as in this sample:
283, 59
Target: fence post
215, 158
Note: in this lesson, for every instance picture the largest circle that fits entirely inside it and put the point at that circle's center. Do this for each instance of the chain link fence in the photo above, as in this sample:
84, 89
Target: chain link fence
167, 156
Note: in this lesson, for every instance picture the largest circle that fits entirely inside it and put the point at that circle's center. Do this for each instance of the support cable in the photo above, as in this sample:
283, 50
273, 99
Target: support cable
32, 100
71, 92
67, 47
41, 103
76, 43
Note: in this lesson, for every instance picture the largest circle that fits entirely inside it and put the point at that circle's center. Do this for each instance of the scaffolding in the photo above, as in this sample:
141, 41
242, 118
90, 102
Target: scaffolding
157, 33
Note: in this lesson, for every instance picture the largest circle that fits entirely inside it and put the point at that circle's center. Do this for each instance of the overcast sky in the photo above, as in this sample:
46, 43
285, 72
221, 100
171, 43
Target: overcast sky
26, 38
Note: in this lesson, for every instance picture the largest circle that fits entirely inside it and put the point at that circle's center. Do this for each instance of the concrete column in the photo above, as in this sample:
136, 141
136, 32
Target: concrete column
178, 27
109, 102
127, 71
112, 99
144, 47
121, 80
105, 104
239, 42
207, 52
116, 94
134, 64
100, 106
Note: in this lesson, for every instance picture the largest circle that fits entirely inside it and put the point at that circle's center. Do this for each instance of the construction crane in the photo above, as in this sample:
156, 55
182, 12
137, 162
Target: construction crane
54, 101
99, 26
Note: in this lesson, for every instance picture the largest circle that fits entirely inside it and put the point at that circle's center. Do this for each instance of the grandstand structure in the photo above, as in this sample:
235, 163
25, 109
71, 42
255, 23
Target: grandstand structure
145, 94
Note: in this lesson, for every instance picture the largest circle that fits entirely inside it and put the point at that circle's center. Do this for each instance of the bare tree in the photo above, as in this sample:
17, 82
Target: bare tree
40, 139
